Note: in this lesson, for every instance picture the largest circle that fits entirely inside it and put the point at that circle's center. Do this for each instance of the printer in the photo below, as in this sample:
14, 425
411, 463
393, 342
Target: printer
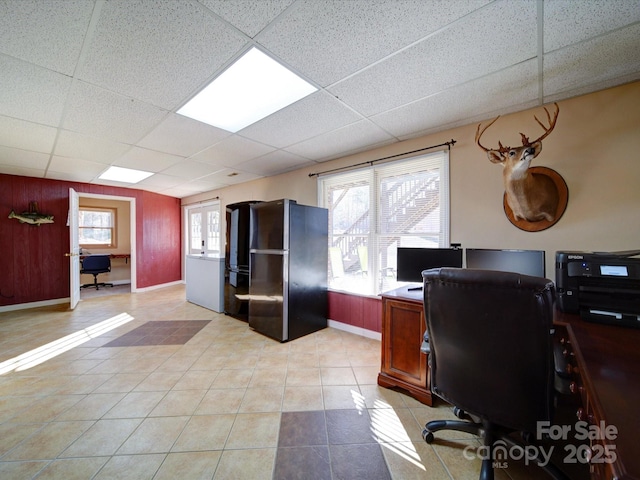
602, 287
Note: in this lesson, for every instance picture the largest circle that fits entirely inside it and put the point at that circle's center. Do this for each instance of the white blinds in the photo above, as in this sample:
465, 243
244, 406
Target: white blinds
414, 197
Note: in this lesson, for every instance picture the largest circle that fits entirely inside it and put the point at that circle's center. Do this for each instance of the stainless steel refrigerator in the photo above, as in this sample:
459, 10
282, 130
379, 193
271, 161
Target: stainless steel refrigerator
288, 269
236, 274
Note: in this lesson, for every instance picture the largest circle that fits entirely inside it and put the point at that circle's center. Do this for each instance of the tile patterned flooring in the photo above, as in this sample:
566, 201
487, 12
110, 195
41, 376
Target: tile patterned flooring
227, 403
168, 332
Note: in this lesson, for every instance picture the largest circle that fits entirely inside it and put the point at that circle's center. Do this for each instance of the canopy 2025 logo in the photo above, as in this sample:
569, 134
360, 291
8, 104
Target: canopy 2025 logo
603, 452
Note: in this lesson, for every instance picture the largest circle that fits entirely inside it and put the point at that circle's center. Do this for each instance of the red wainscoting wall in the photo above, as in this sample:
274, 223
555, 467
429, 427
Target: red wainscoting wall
33, 266
361, 312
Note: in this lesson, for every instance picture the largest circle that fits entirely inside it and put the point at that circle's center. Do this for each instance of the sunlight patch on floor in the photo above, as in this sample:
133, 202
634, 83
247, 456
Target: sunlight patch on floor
391, 434
52, 349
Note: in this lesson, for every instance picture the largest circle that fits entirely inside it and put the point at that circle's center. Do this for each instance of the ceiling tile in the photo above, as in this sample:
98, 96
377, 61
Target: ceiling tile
182, 136
30, 92
248, 15
81, 168
23, 158
450, 57
305, 119
451, 108
46, 33
232, 150
147, 160
591, 87
95, 111
75, 176
345, 140
603, 58
160, 180
22, 171
94, 149
347, 36
158, 52
26, 135
275, 163
229, 176
190, 170
566, 23
201, 185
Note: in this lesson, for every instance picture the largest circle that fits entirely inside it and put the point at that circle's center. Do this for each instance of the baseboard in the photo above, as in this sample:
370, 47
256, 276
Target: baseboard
363, 332
42, 303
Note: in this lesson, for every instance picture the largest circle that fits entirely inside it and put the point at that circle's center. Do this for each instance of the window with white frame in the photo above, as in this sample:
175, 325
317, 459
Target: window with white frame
203, 229
375, 210
97, 227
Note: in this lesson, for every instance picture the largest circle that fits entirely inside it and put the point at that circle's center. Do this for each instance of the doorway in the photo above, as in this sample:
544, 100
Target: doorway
123, 250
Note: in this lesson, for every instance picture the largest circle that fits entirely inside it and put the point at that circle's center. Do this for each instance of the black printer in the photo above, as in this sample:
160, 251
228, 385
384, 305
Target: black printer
602, 287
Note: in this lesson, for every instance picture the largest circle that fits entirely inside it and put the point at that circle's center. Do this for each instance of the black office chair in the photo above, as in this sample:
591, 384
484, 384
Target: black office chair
490, 349
95, 265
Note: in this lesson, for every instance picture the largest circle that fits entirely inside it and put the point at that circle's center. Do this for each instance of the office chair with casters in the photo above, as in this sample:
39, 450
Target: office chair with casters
95, 265
490, 347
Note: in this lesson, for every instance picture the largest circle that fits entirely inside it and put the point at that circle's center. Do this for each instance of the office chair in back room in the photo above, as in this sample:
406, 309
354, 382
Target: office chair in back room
490, 347
95, 265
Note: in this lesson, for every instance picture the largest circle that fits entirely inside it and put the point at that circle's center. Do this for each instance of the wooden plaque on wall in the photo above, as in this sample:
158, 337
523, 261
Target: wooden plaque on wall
563, 200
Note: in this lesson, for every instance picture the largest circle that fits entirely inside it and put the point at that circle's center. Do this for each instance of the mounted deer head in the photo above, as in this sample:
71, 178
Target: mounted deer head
531, 197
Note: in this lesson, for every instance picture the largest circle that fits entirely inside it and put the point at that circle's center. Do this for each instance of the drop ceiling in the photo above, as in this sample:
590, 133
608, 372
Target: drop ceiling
87, 84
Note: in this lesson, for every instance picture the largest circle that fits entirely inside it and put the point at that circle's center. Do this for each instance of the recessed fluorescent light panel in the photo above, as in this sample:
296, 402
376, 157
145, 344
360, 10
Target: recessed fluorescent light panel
252, 88
125, 175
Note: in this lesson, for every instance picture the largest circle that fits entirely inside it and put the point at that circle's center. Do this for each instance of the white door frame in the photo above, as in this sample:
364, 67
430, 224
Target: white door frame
74, 251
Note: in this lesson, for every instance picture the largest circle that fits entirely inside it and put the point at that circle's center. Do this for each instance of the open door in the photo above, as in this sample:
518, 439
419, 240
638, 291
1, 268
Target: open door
74, 245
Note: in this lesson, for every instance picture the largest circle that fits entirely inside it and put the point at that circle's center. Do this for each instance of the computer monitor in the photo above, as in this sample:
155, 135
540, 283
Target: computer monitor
412, 261
526, 262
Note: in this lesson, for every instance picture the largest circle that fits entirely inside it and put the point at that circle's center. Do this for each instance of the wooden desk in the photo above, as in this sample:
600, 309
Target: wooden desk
403, 364
126, 256
605, 366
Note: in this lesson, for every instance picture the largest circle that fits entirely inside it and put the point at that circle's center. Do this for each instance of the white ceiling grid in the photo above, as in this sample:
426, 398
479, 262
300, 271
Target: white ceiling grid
92, 83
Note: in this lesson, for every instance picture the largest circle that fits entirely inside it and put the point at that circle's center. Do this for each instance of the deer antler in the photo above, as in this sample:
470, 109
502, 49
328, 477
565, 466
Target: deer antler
547, 130
479, 133
525, 139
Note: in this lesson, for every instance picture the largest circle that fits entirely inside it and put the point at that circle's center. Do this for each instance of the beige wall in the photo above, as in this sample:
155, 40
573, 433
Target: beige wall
120, 269
595, 147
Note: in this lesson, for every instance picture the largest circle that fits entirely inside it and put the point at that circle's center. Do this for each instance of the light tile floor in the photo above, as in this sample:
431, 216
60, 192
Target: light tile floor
215, 407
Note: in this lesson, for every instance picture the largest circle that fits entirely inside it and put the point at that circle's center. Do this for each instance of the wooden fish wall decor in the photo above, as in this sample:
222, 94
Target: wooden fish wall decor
32, 217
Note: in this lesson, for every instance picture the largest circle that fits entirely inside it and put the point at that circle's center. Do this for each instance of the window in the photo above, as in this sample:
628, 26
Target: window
375, 210
203, 230
97, 227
